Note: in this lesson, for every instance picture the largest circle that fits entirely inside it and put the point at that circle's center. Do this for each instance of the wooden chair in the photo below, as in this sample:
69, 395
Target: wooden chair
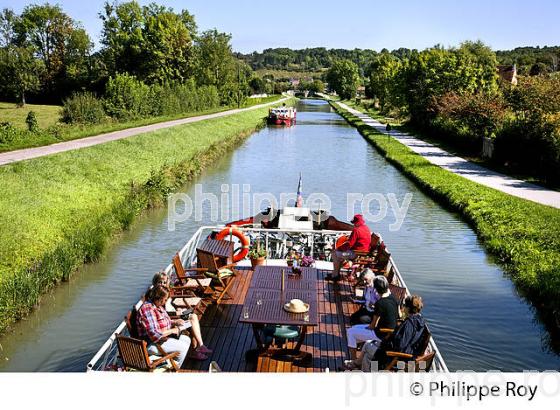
130, 320
368, 258
398, 292
419, 360
134, 355
222, 276
193, 289
191, 278
383, 264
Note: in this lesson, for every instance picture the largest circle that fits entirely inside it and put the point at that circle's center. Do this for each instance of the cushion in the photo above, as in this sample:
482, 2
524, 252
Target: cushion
222, 273
286, 332
192, 283
186, 302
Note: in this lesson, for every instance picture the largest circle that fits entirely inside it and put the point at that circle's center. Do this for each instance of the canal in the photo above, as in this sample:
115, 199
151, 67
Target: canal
476, 316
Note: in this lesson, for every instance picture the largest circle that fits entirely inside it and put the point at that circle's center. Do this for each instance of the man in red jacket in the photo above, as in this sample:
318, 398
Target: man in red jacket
359, 240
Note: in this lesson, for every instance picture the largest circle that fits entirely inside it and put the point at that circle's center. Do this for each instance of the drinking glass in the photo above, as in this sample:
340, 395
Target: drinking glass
259, 299
306, 317
245, 313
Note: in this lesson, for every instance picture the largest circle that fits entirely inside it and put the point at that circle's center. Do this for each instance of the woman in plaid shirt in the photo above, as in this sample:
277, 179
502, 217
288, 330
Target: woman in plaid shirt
155, 326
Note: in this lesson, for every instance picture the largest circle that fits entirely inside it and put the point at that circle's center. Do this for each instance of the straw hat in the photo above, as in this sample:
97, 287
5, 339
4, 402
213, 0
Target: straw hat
296, 306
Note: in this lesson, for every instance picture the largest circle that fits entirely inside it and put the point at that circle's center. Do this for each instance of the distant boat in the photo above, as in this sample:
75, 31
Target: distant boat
282, 116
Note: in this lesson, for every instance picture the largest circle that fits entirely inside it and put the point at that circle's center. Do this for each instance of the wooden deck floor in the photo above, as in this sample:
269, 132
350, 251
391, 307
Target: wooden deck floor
230, 339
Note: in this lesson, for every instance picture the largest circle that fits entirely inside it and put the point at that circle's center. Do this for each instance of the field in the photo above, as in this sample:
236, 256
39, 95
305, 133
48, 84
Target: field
47, 115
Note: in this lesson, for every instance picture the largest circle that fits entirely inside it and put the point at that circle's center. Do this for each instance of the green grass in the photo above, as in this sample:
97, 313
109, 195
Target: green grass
47, 115
525, 236
59, 132
59, 211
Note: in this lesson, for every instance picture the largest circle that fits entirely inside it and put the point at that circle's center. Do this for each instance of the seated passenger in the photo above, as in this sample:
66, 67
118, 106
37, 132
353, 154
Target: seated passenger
406, 338
365, 313
155, 326
359, 240
162, 279
385, 315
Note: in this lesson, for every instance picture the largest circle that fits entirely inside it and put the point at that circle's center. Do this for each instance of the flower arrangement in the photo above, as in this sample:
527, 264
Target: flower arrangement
297, 259
307, 261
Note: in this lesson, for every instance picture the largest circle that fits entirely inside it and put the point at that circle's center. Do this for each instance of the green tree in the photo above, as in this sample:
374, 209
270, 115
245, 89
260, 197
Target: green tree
384, 71
343, 77
153, 43
258, 85
62, 46
482, 62
436, 71
216, 65
20, 72
318, 86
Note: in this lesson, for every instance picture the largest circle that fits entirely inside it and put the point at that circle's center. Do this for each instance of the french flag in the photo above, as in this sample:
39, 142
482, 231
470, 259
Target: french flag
299, 201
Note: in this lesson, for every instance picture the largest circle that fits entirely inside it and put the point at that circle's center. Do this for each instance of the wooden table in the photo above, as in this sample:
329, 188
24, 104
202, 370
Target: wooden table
223, 249
265, 287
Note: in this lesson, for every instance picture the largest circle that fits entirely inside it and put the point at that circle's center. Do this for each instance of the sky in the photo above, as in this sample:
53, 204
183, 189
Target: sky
373, 24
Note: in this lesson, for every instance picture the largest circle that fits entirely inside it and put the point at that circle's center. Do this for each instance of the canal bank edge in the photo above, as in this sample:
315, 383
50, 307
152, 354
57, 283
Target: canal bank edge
523, 235
21, 289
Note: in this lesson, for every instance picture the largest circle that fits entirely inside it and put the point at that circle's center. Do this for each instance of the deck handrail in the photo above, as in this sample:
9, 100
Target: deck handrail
188, 253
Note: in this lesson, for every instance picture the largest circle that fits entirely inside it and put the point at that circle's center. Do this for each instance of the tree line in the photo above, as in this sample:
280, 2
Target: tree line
47, 56
529, 60
456, 95
308, 59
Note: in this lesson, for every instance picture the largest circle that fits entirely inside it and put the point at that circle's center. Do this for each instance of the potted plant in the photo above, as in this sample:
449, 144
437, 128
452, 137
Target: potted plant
257, 254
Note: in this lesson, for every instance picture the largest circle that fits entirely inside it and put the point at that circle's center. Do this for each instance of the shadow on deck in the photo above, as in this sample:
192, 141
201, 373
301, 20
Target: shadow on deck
230, 339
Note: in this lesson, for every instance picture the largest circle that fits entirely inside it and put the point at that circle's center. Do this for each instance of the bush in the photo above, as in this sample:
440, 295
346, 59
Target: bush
8, 133
481, 113
128, 98
31, 122
531, 147
82, 108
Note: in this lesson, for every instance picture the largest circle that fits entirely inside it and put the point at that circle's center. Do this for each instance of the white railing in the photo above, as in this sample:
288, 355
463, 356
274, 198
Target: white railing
277, 242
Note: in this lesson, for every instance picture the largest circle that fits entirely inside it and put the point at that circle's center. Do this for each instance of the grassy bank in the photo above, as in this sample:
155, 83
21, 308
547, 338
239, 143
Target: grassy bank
525, 236
52, 131
59, 211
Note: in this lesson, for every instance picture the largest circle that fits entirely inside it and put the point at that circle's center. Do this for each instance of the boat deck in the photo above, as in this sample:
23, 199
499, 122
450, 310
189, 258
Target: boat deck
230, 339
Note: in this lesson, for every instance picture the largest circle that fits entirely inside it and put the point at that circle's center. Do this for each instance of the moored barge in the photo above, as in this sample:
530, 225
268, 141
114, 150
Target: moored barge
282, 116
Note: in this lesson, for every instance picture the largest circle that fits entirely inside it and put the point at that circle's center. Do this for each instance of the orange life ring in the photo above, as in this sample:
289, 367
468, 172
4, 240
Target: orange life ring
341, 241
239, 235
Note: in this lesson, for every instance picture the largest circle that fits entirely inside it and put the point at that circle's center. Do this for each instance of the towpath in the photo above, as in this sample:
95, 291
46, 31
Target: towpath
464, 168
29, 153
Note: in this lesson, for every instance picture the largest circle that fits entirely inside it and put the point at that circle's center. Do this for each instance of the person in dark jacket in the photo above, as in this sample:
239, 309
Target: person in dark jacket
405, 339
359, 240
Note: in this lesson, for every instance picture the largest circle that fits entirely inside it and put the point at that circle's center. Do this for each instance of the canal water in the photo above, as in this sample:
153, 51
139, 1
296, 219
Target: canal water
476, 316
